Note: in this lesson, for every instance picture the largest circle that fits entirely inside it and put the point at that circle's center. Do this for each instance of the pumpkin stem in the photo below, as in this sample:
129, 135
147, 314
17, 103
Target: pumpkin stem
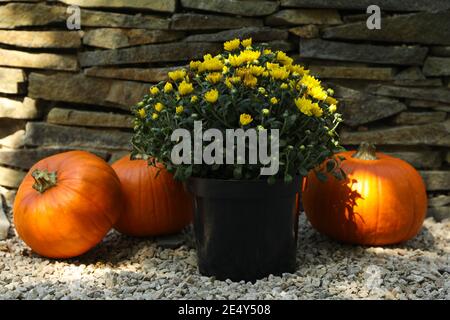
366, 151
44, 180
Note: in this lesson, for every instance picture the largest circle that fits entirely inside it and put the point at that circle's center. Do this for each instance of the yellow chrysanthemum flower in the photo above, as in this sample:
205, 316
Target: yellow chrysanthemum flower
256, 70
330, 92
212, 96
155, 116
284, 86
273, 100
284, 58
228, 83
214, 77
177, 75
265, 112
245, 119
159, 107
298, 69
332, 108
267, 51
232, 45
168, 87
318, 93
310, 81
194, 65
331, 100
250, 81
249, 56
247, 42
142, 113
280, 73
179, 109
225, 70
308, 108
194, 99
262, 90
212, 64
154, 90
185, 88
235, 60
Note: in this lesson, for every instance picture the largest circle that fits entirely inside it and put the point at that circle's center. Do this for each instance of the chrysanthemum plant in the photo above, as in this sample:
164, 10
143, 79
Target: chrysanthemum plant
247, 86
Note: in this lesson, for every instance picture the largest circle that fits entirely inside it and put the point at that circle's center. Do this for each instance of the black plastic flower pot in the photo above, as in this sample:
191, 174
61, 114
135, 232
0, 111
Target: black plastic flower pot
245, 230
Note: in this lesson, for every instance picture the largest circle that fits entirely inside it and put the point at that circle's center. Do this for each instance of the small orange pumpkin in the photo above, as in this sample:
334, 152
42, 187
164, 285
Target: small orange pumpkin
67, 203
382, 201
155, 204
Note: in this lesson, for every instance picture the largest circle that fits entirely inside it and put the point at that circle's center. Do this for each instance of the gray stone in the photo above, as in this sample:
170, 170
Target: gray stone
418, 83
110, 38
425, 104
242, 8
11, 178
447, 157
13, 58
194, 21
435, 134
41, 39
307, 32
420, 117
345, 72
422, 160
431, 94
304, 16
150, 53
170, 242
439, 214
257, 34
27, 14
155, 5
412, 28
369, 109
385, 5
14, 141
439, 201
15, 109
137, 74
4, 222
67, 88
436, 180
49, 135
436, 67
411, 73
331, 50
11, 80
26, 158
88, 118
282, 45
440, 51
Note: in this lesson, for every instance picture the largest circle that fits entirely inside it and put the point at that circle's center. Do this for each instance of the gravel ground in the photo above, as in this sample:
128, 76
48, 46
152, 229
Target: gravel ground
126, 268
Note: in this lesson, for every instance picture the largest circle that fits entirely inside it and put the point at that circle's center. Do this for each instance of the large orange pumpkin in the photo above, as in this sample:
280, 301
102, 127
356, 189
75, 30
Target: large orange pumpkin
67, 203
156, 204
382, 201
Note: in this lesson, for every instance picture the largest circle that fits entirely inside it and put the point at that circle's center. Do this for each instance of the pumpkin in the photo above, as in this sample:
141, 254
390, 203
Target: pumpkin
155, 204
67, 203
381, 201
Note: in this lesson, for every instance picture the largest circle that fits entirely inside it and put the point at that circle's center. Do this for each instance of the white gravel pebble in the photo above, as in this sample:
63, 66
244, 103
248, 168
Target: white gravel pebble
125, 268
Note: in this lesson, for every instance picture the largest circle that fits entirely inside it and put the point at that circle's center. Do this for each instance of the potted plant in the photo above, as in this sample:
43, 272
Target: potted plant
241, 128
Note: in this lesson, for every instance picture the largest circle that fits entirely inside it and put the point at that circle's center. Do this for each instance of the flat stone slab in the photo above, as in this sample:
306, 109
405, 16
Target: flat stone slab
437, 67
420, 117
436, 180
257, 34
4, 222
74, 117
155, 5
389, 5
346, 72
11, 80
241, 8
97, 91
418, 159
50, 135
111, 38
304, 16
332, 50
11, 178
412, 28
14, 58
431, 94
137, 74
26, 158
41, 39
435, 134
439, 201
171, 52
195, 21
16, 109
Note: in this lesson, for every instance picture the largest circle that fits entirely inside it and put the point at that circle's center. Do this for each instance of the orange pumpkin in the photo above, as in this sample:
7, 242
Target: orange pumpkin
156, 204
67, 203
382, 201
